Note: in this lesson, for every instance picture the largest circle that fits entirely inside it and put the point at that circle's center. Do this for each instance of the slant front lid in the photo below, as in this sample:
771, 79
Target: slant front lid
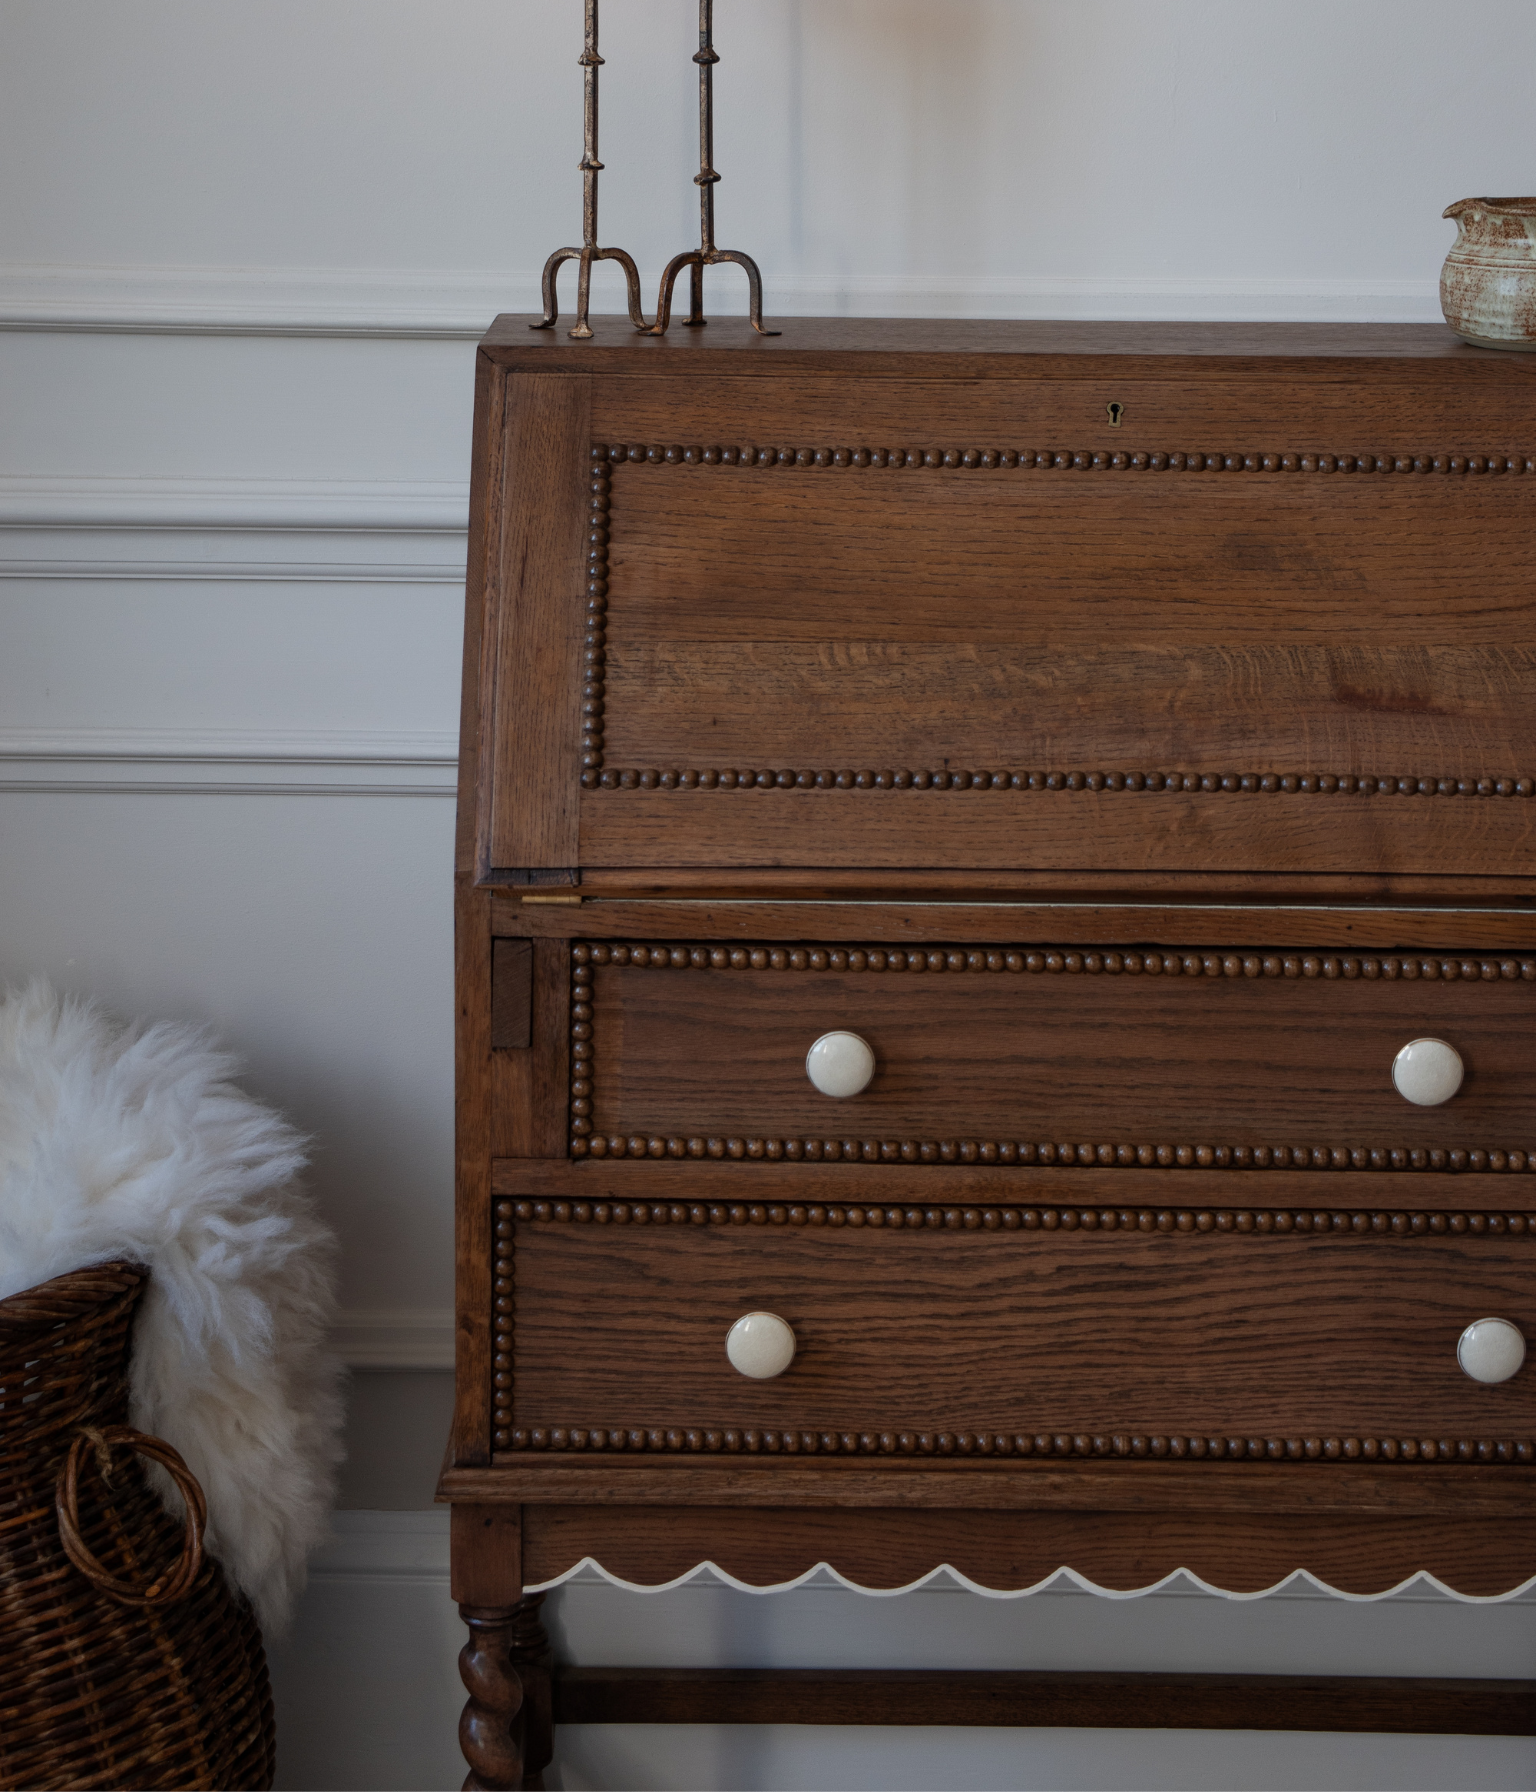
1114, 623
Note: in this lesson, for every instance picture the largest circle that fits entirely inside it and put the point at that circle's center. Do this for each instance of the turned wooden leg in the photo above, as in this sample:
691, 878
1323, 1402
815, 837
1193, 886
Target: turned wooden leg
530, 1656
489, 1731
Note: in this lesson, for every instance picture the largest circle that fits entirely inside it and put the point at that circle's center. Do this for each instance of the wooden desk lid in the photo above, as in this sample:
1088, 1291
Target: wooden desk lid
1142, 599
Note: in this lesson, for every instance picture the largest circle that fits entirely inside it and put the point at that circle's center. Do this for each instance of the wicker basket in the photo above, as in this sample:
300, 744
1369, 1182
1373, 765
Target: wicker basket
125, 1660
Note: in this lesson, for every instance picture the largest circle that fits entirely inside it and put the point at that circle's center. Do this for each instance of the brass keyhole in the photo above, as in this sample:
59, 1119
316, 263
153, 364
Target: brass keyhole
1116, 412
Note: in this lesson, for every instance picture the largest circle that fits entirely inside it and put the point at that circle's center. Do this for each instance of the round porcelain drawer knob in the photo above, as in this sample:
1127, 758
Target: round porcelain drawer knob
1491, 1349
840, 1064
1427, 1072
760, 1345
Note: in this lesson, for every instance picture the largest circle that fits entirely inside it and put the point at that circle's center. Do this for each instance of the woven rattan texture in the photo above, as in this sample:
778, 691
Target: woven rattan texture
93, 1692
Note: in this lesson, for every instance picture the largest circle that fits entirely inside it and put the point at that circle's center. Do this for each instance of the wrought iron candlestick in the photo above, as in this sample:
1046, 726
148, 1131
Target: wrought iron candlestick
706, 255
589, 251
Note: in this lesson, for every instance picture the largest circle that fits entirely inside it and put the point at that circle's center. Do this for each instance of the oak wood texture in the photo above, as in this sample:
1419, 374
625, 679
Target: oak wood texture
940, 1331
1206, 925
1110, 1053
487, 1565
887, 1547
539, 589
879, 637
1171, 1199
1067, 830
1003, 884
1154, 1490
985, 348
551, 1068
474, 1139
511, 994
1113, 613
490, 1725
1258, 409
1056, 619
482, 597
1037, 1699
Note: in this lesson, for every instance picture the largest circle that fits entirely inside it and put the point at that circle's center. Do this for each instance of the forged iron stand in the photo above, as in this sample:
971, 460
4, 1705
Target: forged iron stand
707, 255
589, 251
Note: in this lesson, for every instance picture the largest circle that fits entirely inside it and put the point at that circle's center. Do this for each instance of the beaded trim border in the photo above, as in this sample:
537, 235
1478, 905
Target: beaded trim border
1032, 961
1082, 460
1266, 783
586, 1141
596, 776
503, 1292
506, 1436
1238, 1222
751, 1441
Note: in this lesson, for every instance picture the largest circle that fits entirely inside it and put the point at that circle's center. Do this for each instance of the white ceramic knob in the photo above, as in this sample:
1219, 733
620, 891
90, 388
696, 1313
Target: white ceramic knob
840, 1064
1427, 1072
1491, 1349
760, 1345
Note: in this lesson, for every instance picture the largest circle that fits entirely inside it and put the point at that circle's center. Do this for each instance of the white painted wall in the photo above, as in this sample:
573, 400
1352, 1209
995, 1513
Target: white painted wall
244, 253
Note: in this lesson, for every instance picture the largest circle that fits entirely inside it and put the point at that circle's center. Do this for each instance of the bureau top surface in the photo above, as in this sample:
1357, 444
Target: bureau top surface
1002, 348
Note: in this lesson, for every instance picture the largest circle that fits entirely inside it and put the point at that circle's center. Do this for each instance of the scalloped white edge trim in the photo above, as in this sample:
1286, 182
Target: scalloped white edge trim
1302, 1577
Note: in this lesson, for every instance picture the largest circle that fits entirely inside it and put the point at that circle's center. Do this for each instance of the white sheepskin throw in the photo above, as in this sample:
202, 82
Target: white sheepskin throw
132, 1143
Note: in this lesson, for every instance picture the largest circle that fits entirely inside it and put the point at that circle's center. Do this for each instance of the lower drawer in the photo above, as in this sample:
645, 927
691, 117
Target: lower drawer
931, 1331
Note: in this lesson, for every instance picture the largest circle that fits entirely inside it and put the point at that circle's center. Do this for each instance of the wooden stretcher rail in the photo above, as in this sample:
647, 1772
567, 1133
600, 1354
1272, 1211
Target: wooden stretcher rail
1031, 1699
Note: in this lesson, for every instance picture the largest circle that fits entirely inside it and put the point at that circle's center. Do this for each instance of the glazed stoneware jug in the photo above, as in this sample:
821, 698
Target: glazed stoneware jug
1488, 283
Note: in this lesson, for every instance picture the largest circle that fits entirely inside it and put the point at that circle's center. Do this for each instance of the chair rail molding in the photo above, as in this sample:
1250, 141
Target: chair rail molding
336, 506
229, 762
458, 304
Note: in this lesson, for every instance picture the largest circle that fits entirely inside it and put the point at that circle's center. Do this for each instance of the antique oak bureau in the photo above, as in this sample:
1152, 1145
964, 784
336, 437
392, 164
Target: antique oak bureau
960, 826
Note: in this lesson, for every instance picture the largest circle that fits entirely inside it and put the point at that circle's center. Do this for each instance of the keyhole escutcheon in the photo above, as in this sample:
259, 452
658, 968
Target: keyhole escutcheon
1116, 412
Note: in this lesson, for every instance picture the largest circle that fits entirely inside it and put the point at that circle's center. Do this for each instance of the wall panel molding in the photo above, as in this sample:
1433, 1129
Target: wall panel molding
228, 762
124, 568
458, 304
137, 534
81, 501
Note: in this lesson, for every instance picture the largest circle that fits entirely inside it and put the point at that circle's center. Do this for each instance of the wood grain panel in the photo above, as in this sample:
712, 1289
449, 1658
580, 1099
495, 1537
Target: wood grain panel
1441, 893
539, 600
551, 1076
473, 1142
652, 1544
1159, 1192
992, 1055
1314, 1490
1206, 924
991, 348
1067, 830
862, 703
1064, 620
947, 1331
511, 994
1258, 409
1045, 558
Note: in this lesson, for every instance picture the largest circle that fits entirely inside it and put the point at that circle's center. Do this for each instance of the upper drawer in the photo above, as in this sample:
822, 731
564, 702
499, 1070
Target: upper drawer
1030, 1055
942, 631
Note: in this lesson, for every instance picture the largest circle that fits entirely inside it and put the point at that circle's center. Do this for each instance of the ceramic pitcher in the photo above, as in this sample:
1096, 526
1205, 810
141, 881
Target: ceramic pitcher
1488, 283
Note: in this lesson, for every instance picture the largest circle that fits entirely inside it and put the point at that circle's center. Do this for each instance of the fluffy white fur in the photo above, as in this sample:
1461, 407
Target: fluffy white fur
131, 1142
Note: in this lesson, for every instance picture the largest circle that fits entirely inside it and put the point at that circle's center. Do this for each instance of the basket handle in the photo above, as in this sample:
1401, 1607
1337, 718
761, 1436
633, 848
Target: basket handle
166, 1588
